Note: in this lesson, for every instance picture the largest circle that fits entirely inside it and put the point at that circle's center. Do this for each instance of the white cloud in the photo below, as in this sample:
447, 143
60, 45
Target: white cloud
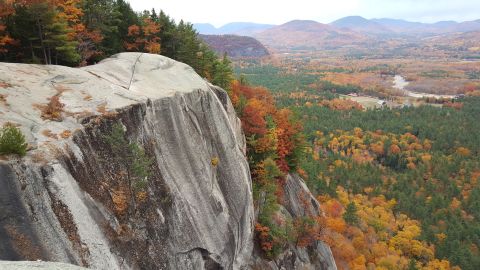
219, 12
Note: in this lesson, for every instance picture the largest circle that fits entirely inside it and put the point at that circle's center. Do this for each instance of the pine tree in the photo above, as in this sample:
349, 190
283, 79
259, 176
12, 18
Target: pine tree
350, 214
44, 33
223, 73
12, 141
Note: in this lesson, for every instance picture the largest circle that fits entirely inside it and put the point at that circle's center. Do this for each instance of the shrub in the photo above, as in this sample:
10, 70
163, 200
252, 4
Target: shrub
53, 110
132, 156
12, 141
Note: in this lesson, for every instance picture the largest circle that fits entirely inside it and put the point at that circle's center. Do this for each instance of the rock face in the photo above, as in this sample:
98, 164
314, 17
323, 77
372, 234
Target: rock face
299, 202
38, 266
71, 198
235, 46
64, 201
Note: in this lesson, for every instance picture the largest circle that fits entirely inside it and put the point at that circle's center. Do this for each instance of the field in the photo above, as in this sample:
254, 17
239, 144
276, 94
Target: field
366, 102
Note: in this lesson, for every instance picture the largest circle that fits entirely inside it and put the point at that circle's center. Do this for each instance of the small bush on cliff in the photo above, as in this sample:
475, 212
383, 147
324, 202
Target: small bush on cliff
53, 110
12, 141
132, 156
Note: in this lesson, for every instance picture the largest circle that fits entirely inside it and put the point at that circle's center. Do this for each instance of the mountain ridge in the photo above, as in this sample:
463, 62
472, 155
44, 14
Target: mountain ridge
360, 24
353, 23
293, 34
233, 28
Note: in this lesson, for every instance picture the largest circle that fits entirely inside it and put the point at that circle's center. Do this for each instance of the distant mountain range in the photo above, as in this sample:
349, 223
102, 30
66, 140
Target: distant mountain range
234, 28
359, 24
308, 35
349, 32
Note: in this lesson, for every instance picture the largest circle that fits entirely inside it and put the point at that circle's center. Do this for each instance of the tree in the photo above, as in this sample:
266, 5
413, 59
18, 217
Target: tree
290, 141
223, 73
253, 118
101, 19
6, 11
87, 40
43, 32
168, 37
350, 214
133, 158
144, 38
12, 141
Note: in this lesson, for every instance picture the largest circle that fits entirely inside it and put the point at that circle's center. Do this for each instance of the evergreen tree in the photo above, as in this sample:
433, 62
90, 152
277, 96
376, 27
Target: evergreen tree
223, 73
12, 141
43, 34
350, 214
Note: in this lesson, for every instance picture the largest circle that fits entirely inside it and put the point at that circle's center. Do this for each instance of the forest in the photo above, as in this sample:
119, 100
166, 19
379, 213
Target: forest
398, 187
409, 161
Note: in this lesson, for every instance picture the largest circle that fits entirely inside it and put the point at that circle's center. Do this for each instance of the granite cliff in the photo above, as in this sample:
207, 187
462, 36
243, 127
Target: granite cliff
71, 199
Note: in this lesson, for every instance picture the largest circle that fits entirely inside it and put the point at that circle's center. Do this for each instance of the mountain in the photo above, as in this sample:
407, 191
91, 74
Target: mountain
205, 28
234, 28
306, 34
235, 46
393, 24
467, 26
353, 26
244, 28
416, 28
360, 24
444, 24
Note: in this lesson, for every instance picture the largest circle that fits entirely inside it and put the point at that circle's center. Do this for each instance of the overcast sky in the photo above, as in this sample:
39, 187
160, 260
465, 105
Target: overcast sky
219, 12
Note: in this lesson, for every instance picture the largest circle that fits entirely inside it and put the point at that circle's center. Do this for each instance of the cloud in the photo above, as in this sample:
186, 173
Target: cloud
220, 12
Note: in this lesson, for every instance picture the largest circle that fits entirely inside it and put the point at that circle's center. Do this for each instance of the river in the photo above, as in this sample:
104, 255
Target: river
400, 83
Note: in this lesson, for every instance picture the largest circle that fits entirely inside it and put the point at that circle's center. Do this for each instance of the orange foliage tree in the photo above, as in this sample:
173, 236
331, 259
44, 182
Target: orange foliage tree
87, 40
6, 9
144, 38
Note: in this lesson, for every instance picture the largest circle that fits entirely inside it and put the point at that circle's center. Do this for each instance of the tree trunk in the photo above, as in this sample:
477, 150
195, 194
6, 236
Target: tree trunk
40, 34
31, 49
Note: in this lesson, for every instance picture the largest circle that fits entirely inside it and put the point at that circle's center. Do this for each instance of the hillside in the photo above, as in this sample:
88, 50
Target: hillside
235, 46
300, 34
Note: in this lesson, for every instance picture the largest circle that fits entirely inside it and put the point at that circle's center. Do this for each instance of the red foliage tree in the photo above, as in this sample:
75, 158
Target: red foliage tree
288, 131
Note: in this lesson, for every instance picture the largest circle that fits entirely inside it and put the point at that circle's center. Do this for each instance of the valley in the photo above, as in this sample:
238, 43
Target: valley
377, 114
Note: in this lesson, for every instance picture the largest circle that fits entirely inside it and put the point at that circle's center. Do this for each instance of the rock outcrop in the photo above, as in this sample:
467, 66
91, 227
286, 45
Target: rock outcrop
299, 202
71, 199
235, 46
68, 200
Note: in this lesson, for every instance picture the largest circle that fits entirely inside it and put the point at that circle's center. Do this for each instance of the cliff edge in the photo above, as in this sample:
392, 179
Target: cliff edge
69, 200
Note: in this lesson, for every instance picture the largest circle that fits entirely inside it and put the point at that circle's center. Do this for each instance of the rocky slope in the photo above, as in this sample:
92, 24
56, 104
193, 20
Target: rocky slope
299, 202
71, 198
235, 46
